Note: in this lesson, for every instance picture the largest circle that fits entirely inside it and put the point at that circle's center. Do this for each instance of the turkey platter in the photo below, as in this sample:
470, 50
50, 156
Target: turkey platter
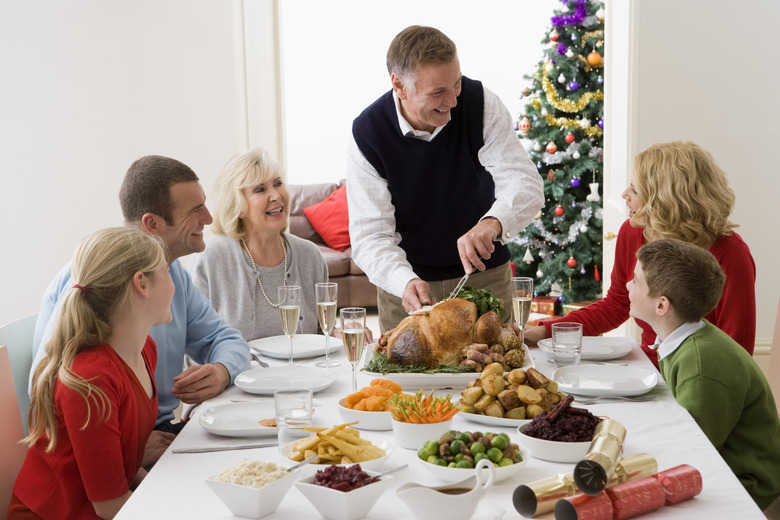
438, 336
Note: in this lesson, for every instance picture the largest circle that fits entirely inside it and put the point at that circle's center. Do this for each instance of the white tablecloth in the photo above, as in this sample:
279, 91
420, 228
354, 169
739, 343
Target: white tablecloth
175, 487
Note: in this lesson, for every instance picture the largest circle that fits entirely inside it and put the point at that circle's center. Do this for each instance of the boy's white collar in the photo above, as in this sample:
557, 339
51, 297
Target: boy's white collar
667, 346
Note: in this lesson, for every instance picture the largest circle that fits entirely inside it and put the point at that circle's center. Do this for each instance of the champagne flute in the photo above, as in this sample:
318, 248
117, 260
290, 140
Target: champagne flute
290, 309
523, 293
353, 330
327, 294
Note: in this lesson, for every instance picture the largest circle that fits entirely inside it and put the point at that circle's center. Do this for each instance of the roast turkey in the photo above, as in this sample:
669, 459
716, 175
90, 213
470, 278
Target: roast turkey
437, 336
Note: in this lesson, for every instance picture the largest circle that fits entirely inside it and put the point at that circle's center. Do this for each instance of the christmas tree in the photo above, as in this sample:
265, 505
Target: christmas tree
562, 130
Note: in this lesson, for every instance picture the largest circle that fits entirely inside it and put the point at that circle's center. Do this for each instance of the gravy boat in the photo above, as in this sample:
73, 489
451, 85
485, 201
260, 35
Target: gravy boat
456, 501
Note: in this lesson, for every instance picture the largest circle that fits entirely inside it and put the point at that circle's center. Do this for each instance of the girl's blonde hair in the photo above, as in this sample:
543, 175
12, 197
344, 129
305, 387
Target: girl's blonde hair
102, 271
242, 171
684, 194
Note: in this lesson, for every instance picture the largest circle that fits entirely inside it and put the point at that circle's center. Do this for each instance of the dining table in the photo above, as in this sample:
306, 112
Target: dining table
175, 487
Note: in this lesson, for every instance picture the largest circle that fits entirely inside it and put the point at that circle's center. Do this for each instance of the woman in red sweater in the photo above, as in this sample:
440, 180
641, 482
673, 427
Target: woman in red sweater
677, 191
94, 402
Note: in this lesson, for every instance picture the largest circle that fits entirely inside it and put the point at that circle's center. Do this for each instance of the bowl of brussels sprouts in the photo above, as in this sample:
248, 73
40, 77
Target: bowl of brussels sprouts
454, 455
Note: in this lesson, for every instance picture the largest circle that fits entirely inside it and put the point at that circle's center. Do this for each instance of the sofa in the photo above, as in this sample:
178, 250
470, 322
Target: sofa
325, 205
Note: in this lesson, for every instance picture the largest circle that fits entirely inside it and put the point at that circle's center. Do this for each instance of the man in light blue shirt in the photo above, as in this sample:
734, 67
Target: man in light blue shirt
164, 197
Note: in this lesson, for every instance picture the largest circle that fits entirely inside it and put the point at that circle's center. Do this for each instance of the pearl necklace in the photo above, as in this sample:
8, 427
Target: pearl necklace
254, 268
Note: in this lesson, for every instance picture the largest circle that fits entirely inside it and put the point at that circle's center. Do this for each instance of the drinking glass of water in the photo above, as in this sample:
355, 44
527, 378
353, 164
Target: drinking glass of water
567, 343
353, 331
290, 309
293, 413
327, 294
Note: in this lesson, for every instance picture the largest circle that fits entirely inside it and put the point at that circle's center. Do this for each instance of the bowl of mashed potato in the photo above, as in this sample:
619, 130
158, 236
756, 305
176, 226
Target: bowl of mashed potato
252, 489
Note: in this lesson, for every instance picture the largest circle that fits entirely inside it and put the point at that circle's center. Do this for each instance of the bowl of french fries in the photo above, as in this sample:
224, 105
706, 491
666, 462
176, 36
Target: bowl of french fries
341, 444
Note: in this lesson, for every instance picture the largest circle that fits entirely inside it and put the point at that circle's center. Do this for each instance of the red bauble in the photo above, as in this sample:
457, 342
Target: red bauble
552, 147
550, 175
594, 58
569, 138
571, 262
554, 36
559, 211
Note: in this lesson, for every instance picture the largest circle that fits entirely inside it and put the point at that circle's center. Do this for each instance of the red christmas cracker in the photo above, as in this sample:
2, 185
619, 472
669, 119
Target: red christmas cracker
680, 483
584, 507
636, 497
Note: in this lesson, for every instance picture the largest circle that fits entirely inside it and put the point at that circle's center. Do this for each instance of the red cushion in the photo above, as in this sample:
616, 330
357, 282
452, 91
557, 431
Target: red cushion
330, 219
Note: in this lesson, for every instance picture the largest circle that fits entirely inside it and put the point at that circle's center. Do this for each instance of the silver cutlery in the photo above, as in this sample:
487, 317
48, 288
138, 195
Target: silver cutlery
303, 463
593, 400
402, 466
460, 285
225, 448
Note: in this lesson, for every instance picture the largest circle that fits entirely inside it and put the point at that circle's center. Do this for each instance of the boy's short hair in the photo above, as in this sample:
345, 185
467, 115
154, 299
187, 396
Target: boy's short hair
689, 276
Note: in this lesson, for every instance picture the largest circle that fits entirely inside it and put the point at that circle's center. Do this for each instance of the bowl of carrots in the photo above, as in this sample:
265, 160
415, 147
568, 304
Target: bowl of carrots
370, 405
420, 417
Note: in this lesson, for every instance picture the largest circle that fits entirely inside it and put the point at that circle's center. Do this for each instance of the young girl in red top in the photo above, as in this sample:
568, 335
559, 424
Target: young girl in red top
677, 191
94, 401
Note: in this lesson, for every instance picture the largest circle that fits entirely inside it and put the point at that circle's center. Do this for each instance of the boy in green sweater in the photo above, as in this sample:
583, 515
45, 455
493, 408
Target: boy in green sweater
675, 284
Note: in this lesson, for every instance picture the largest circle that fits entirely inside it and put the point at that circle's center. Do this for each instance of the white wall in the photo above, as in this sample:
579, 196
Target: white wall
86, 87
333, 70
702, 77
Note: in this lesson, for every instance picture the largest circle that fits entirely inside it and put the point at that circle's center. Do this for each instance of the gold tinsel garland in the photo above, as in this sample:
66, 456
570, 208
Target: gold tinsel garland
565, 122
567, 105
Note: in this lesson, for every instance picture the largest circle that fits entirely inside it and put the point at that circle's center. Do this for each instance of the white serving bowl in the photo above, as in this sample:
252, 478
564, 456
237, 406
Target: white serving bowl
456, 474
373, 465
252, 502
412, 436
343, 505
553, 451
376, 421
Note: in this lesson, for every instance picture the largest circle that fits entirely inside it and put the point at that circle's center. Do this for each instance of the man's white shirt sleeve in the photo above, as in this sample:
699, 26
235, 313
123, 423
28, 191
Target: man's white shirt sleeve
519, 187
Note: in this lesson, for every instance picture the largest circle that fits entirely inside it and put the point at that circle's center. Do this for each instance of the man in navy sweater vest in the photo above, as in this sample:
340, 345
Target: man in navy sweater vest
438, 181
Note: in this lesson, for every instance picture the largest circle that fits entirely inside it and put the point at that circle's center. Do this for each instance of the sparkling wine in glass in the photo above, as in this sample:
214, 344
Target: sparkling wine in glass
290, 309
353, 331
523, 293
327, 294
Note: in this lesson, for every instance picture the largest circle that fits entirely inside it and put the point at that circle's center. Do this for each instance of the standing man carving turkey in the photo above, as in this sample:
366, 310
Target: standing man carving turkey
438, 181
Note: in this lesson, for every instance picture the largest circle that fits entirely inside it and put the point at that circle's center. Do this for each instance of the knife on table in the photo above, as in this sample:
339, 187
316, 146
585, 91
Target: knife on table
225, 448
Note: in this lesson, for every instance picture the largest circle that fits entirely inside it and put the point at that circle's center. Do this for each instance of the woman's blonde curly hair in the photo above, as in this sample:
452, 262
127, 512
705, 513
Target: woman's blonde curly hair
684, 194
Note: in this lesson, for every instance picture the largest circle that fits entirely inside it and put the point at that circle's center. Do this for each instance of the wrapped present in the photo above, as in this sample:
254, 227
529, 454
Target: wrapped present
571, 307
544, 305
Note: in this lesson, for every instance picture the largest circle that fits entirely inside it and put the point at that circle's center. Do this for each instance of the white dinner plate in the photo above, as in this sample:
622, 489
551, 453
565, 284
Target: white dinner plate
489, 420
304, 346
238, 419
597, 348
598, 380
267, 380
415, 381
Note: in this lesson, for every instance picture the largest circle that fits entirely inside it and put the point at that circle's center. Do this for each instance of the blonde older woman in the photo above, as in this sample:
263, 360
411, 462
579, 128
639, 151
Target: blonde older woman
251, 255
677, 191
